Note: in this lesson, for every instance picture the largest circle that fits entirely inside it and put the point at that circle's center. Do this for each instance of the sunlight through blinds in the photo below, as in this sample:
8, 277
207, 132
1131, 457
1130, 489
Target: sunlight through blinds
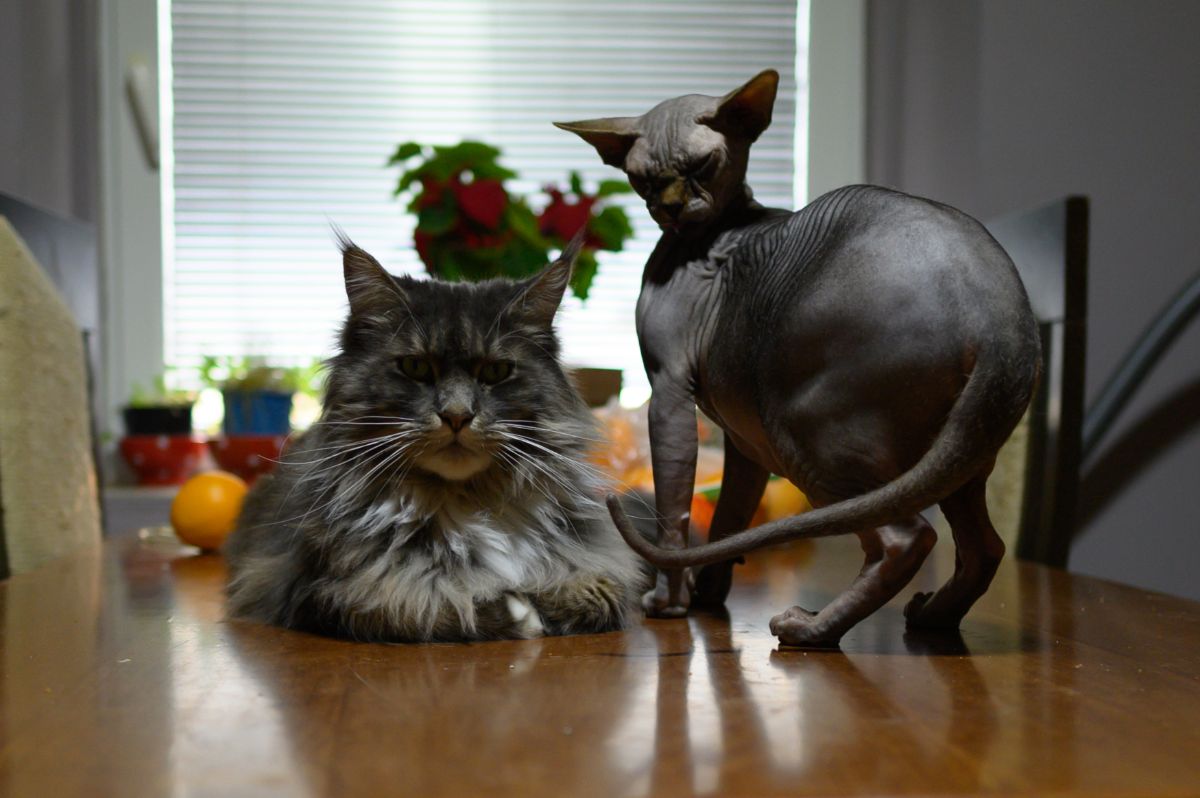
285, 112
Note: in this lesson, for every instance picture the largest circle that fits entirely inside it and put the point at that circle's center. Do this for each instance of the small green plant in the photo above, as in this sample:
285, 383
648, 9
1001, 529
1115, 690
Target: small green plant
247, 374
159, 395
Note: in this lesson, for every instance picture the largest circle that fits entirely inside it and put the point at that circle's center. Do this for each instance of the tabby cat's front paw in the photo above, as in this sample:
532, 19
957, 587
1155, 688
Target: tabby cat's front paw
659, 601
527, 622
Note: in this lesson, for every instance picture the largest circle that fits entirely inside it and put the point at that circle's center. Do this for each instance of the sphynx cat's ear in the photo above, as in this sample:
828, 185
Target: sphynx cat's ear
746, 111
611, 137
540, 300
368, 286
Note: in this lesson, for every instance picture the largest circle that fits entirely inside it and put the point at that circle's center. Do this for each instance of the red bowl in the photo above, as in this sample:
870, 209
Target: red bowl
162, 459
248, 456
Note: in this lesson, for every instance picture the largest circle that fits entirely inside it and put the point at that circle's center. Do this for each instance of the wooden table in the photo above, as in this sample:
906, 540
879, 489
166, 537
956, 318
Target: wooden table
120, 677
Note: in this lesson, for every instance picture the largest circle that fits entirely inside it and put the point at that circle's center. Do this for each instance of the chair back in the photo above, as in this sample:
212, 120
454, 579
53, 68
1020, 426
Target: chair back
48, 490
1049, 247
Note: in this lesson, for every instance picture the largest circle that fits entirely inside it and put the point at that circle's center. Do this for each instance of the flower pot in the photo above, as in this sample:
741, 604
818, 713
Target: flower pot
162, 459
158, 420
596, 385
257, 413
248, 456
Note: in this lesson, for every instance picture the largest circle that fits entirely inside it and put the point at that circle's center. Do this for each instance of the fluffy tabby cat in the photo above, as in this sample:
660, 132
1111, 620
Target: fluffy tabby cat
444, 493
875, 348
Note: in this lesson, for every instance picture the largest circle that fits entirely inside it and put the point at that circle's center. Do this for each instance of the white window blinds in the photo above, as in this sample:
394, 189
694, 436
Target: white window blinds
285, 112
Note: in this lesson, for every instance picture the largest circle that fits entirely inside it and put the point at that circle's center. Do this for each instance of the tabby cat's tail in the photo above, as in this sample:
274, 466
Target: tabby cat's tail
984, 415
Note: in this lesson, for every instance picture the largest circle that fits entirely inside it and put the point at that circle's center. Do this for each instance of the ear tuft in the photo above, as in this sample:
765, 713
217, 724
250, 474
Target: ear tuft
612, 137
368, 286
746, 111
544, 293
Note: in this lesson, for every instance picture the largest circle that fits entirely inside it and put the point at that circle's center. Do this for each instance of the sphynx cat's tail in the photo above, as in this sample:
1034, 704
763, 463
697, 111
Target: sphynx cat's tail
989, 407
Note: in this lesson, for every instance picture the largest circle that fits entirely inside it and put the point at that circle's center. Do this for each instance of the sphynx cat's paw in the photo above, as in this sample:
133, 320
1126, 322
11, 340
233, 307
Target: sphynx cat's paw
659, 603
924, 612
712, 586
798, 627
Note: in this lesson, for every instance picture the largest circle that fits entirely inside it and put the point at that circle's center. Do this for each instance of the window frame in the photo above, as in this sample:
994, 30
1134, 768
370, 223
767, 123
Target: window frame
136, 202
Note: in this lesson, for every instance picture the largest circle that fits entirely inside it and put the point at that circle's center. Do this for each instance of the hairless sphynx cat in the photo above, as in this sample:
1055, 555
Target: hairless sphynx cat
875, 348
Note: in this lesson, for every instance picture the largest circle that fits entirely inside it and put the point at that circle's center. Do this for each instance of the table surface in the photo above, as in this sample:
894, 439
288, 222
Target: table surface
121, 677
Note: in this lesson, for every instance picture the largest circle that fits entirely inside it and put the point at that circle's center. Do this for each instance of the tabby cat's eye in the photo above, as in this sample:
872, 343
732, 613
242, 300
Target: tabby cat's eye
415, 368
495, 371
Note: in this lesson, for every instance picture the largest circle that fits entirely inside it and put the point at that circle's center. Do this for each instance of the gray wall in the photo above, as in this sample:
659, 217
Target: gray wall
48, 104
998, 105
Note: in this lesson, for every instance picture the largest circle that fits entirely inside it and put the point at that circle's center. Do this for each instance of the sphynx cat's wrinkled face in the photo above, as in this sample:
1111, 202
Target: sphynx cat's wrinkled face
686, 172
687, 156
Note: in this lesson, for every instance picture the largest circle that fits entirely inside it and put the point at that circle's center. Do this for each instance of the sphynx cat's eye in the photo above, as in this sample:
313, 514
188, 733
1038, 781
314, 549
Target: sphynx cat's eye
415, 368
704, 168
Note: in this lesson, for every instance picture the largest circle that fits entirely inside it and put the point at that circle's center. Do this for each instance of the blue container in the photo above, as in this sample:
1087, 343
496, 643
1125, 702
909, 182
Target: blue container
257, 412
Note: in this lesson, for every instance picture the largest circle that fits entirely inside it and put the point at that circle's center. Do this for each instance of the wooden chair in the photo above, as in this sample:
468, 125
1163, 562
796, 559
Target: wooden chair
1034, 491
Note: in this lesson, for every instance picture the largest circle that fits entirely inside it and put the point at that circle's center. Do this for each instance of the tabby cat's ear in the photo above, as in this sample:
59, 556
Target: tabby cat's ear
544, 293
746, 111
368, 286
611, 137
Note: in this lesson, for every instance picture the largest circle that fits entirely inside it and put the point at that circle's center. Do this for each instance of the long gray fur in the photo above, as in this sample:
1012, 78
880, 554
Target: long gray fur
368, 529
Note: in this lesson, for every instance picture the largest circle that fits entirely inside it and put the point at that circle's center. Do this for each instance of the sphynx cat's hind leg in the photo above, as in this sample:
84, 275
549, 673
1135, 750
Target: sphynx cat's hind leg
978, 553
742, 486
893, 555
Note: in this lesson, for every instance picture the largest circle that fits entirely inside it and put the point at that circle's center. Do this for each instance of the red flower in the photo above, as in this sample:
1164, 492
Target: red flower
431, 192
562, 219
423, 240
482, 201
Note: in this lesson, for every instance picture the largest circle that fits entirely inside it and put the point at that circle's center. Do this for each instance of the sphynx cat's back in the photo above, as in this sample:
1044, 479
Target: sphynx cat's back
886, 336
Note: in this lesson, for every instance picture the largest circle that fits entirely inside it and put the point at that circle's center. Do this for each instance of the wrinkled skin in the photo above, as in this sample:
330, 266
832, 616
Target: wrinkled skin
875, 348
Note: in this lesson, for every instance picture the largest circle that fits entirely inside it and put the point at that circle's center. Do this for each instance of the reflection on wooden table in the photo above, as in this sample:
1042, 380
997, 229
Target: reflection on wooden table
120, 677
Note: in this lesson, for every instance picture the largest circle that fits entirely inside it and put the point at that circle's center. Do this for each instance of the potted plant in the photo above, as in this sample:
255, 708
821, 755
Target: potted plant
258, 401
471, 227
159, 445
160, 411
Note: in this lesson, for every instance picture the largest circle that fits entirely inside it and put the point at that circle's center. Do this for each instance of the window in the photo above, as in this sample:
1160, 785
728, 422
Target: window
285, 112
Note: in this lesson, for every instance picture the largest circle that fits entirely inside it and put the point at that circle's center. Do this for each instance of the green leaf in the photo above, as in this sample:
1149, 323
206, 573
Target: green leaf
408, 149
449, 264
524, 225
470, 156
474, 152
584, 273
609, 187
492, 171
523, 259
440, 169
612, 227
436, 219
407, 179
576, 183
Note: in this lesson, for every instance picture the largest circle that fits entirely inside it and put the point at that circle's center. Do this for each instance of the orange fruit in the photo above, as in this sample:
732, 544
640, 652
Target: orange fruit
702, 513
206, 508
782, 498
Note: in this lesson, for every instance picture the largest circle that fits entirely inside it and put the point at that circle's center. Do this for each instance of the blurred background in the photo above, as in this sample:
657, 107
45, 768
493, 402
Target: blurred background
209, 144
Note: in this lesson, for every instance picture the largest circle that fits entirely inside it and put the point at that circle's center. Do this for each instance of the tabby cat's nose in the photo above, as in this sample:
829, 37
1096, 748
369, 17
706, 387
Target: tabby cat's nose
456, 421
